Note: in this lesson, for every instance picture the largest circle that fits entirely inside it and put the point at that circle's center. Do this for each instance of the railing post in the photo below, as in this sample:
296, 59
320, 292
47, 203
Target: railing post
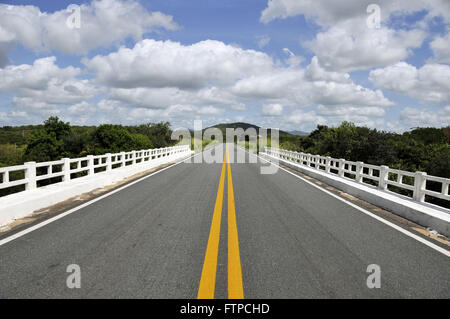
341, 167
384, 174
108, 162
133, 157
91, 170
30, 175
420, 180
328, 164
359, 171
122, 159
66, 169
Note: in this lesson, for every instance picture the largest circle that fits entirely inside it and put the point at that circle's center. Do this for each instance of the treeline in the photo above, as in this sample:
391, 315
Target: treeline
421, 149
56, 139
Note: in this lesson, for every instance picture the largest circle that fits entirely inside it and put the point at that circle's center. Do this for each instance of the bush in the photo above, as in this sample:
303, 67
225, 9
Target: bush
110, 138
48, 145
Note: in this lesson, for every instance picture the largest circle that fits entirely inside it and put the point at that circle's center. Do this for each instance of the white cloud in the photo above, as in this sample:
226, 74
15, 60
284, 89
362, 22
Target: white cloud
293, 60
430, 83
345, 42
325, 12
13, 117
5, 49
170, 64
177, 114
346, 48
315, 72
333, 116
174, 112
331, 12
297, 87
108, 106
412, 117
156, 74
34, 77
401, 77
45, 87
263, 41
103, 22
272, 109
82, 109
59, 93
210, 110
350, 110
360, 115
165, 97
441, 48
276, 85
158, 80
239, 107
305, 120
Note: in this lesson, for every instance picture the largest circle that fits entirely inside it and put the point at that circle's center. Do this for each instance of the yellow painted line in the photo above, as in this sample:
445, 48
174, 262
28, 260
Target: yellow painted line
235, 285
208, 278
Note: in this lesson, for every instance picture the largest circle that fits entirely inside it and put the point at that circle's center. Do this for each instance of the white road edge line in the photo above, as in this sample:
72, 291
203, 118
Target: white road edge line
384, 221
50, 220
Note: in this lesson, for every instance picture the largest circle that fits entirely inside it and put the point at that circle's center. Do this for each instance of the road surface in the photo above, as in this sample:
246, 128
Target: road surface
180, 234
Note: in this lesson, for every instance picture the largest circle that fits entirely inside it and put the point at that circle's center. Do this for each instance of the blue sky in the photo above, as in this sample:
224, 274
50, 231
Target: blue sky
289, 64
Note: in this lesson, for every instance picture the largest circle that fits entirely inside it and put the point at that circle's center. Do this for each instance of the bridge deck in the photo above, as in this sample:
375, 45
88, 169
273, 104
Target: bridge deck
149, 241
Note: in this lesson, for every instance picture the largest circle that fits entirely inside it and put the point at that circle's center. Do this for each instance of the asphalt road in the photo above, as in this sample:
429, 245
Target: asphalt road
150, 241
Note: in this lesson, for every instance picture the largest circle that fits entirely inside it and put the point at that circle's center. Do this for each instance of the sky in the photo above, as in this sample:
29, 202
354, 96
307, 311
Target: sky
288, 64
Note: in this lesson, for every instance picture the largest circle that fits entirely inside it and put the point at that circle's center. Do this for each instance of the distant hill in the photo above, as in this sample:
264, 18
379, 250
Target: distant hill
298, 133
245, 126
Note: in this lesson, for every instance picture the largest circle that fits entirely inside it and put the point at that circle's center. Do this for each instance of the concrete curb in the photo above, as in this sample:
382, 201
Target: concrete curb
423, 215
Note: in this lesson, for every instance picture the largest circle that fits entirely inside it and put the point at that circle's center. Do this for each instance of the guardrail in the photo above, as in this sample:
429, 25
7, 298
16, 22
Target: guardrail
411, 184
32, 175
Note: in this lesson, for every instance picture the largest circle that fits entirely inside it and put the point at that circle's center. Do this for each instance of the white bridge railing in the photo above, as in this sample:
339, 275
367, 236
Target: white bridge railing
415, 183
31, 174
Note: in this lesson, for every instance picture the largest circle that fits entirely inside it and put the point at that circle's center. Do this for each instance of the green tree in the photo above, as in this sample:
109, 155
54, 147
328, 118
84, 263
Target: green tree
48, 144
11, 154
158, 133
439, 160
116, 138
56, 127
77, 144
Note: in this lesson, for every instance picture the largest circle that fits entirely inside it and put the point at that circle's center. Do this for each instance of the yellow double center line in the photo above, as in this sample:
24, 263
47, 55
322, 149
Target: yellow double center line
208, 279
